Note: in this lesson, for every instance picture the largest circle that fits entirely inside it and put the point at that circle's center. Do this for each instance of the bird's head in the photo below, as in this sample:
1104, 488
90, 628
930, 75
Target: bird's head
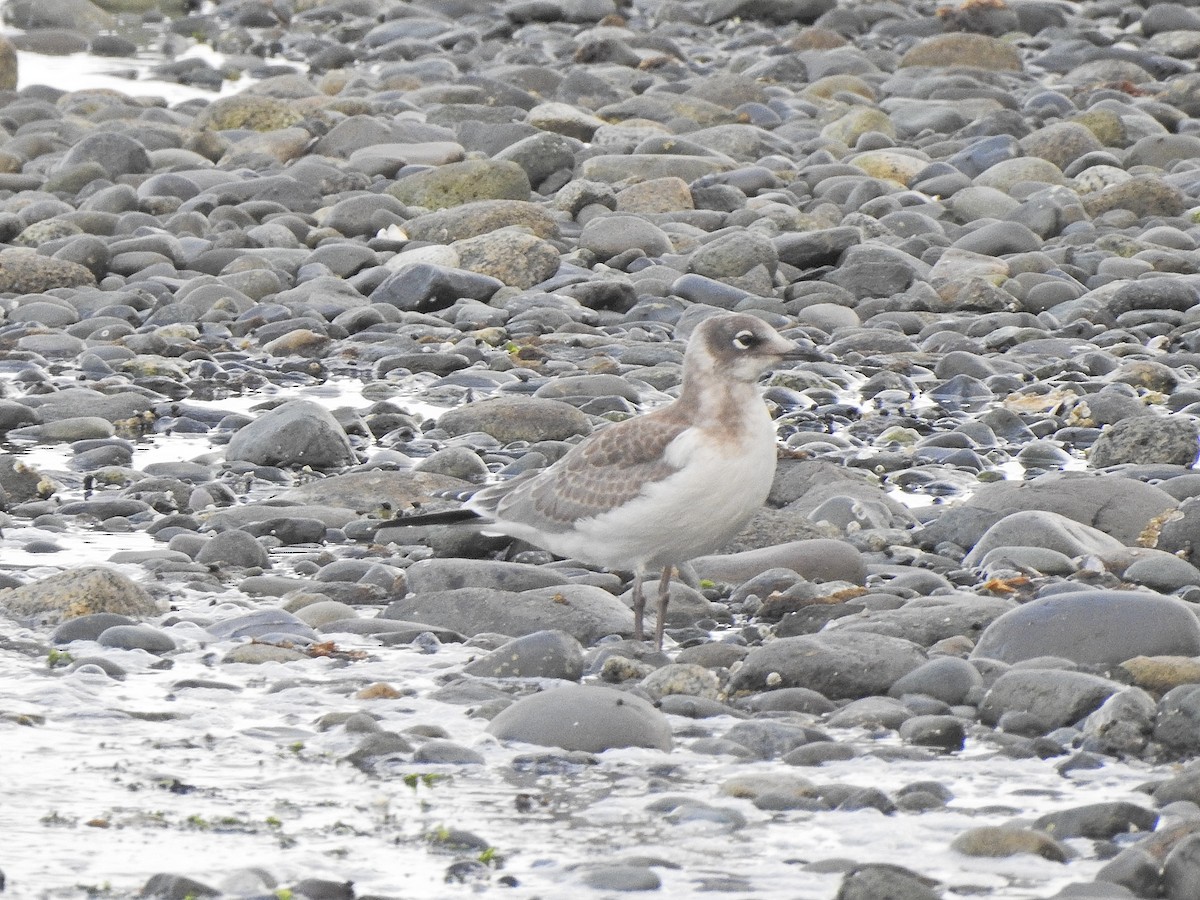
736, 347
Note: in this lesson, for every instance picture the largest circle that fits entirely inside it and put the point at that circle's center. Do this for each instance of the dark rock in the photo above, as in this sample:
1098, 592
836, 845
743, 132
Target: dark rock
1133, 869
1181, 871
87, 628
946, 733
165, 886
1177, 724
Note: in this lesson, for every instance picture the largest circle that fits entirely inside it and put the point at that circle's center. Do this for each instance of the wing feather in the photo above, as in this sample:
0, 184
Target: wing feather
607, 470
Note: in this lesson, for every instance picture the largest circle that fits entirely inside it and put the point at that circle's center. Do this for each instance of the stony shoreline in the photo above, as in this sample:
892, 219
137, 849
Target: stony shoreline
980, 221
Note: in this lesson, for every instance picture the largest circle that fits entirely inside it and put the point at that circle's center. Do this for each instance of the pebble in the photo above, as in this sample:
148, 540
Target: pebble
83, 591
1123, 625
946, 678
837, 666
87, 627
542, 654
136, 637
296, 433
1098, 821
430, 575
581, 610
586, 718
1052, 697
236, 549
1005, 840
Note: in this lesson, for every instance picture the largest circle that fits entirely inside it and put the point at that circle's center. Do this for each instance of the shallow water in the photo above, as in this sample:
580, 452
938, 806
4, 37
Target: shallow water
240, 779
78, 71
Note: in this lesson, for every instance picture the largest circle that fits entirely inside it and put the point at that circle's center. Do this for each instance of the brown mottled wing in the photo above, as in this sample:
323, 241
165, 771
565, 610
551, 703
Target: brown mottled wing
607, 470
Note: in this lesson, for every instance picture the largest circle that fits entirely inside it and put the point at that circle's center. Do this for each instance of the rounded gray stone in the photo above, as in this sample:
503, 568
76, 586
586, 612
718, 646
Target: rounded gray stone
623, 878
443, 752
1171, 439
1048, 530
734, 254
115, 152
87, 628
1123, 724
296, 433
136, 637
588, 718
1177, 719
1120, 507
945, 678
1094, 627
261, 623
510, 419
839, 666
1181, 872
927, 620
428, 575
1054, 697
875, 881
543, 654
606, 236
940, 732
584, 611
234, 548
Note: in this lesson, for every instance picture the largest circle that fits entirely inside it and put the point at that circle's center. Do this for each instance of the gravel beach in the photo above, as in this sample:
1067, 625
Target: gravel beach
388, 252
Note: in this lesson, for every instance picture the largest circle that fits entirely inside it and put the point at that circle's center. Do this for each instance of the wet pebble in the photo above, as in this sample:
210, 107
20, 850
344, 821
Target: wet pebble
543, 654
136, 637
1003, 840
583, 718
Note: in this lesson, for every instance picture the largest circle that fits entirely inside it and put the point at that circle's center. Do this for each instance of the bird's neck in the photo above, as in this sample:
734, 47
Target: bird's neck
708, 399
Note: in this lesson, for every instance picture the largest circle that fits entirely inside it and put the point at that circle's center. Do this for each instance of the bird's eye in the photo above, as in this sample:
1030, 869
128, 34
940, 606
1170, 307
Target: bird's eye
744, 340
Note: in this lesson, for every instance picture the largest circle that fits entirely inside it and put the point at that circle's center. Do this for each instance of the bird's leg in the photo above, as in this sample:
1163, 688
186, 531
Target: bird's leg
639, 604
664, 597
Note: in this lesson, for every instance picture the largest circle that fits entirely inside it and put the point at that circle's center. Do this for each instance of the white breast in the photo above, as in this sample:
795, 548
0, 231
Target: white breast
720, 484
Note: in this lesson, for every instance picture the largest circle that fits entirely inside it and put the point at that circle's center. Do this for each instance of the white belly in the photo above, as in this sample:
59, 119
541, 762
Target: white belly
691, 513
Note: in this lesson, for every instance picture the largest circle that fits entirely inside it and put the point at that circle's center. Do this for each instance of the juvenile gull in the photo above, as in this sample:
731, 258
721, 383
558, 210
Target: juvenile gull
654, 491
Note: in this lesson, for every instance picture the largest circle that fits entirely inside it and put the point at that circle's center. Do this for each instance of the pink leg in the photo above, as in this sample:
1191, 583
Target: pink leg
664, 597
639, 605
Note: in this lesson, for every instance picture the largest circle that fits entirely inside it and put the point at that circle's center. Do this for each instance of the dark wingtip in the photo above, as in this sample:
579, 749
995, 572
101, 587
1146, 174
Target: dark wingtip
445, 517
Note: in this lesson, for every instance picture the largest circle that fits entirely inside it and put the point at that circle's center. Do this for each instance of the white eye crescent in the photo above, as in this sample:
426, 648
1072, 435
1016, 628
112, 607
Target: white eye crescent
744, 340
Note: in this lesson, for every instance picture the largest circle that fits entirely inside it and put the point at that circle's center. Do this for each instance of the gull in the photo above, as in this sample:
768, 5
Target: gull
654, 491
